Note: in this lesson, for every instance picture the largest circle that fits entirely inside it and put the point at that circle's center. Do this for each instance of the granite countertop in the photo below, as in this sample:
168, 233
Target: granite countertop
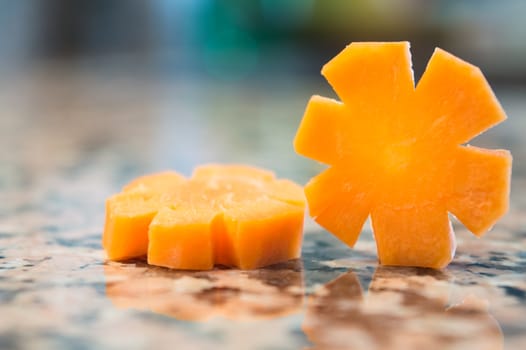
68, 139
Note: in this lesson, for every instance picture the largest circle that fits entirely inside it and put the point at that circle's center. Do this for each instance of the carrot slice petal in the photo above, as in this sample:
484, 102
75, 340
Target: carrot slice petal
456, 102
480, 187
326, 121
339, 203
360, 68
413, 235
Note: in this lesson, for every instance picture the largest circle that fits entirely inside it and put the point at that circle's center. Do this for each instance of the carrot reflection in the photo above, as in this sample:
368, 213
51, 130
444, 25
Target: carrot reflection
275, 291
404, 308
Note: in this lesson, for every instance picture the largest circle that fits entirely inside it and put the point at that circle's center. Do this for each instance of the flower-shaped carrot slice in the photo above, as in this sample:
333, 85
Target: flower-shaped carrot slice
231, 215
395, 152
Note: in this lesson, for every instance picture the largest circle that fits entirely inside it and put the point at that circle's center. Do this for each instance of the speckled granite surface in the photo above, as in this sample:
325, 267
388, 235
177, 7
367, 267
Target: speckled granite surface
67, 140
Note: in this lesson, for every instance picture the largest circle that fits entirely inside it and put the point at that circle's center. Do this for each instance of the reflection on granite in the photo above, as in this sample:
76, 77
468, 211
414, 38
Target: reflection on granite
68, 142
400, 308
272, 292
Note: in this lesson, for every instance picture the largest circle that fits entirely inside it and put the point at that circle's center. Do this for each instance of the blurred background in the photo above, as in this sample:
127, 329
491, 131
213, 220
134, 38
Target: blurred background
236, 39
162, 84
96, 92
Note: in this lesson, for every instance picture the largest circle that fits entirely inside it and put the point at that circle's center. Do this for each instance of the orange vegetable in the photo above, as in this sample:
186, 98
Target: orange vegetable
395, 152
230, 215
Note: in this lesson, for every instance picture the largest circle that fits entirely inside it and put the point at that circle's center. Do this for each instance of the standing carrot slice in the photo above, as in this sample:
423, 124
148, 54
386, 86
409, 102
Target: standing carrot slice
394, 152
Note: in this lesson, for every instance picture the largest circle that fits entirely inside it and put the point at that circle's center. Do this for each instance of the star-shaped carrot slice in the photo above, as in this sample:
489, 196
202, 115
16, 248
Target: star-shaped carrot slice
396, 152
231, 215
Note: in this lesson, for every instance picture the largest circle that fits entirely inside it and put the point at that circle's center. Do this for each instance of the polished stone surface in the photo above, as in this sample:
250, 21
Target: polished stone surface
70, 138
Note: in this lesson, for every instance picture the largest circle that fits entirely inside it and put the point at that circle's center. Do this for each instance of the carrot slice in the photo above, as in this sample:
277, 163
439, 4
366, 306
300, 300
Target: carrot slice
394, 152
232, 215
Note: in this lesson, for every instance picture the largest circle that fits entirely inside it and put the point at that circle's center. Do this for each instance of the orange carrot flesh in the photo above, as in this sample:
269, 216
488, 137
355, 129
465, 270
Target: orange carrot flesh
231, 215
395, 152
264, 232
128, 216
182, 238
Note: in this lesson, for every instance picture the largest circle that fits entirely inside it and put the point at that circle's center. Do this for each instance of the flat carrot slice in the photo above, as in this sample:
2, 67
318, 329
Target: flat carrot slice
394, 152
231, 215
